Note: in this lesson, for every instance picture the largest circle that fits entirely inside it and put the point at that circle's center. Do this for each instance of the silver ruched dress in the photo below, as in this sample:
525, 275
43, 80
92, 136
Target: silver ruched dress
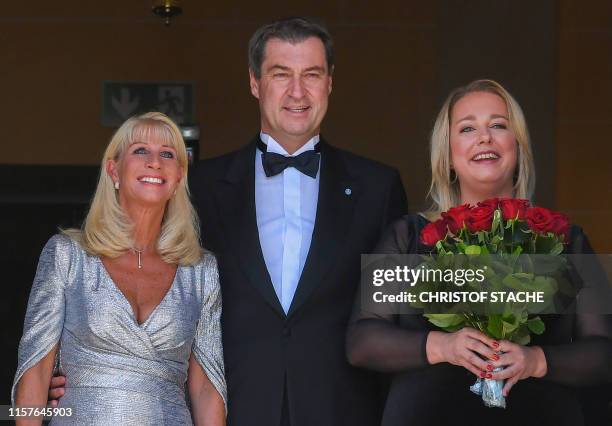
119, 372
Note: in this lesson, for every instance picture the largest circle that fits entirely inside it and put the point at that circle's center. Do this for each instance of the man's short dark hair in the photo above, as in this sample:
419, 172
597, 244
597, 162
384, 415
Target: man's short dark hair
293, 30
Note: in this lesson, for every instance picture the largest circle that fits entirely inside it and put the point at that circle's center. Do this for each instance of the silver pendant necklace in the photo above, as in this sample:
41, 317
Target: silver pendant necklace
139, 253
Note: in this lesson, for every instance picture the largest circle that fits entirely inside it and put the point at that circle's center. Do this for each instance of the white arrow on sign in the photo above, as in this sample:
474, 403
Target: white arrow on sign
125, 107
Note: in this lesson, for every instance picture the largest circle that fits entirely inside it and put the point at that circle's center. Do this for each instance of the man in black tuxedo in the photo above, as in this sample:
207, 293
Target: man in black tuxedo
288, 216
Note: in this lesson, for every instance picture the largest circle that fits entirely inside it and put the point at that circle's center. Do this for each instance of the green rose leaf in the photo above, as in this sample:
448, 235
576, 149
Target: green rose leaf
521, 336
495, 327
536, 325
473, 250
445, 320
557, 249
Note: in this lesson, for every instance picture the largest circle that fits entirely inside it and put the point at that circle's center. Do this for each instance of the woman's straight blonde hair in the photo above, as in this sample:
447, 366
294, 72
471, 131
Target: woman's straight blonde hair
107, 230
445, 193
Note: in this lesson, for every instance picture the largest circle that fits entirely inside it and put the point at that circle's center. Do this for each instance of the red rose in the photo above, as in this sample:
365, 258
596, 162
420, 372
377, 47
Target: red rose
481, 218
455, 217
433, 232
513, 208
560, 225
491, 202
540, 220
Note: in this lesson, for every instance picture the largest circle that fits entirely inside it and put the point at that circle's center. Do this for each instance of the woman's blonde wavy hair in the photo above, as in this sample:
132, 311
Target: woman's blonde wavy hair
444, 193
107, 230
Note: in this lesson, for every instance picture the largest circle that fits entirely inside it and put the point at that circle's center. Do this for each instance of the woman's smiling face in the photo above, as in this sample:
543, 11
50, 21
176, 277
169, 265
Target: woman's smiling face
482, 143
148, 172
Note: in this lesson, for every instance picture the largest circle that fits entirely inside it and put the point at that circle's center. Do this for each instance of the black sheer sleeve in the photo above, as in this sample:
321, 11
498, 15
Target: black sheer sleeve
377, 341
587, 359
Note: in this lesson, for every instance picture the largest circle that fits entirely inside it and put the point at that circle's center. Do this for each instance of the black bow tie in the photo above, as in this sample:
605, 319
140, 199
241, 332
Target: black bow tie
307, 162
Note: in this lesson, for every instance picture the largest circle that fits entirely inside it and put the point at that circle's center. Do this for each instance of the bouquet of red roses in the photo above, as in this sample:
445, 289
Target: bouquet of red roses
501, 237
531, 229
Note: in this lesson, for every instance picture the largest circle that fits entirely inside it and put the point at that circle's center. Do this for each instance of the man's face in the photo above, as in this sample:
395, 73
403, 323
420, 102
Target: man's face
293, 90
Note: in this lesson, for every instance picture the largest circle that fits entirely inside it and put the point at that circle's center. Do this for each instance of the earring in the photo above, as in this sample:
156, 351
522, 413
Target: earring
117, 185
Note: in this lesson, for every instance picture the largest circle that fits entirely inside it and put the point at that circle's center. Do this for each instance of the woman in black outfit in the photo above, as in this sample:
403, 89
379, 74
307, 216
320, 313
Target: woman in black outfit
480, 149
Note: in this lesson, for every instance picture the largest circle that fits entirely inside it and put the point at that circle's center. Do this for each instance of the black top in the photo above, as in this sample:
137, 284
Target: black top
578, 348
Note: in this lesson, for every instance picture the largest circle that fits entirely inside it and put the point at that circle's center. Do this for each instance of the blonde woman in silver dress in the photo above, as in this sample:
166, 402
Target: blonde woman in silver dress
129, 307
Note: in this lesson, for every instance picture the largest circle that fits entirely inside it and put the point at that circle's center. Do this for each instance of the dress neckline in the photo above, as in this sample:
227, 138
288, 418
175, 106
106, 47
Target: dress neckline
126, 302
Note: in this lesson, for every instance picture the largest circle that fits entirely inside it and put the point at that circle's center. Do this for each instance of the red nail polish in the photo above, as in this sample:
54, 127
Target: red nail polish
490, 367
496, 344
495, 357
489, 375
483, 374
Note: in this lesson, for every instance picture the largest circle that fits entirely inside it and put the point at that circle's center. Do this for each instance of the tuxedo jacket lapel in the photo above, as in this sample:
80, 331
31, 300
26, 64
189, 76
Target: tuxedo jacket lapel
236, 197
337, 194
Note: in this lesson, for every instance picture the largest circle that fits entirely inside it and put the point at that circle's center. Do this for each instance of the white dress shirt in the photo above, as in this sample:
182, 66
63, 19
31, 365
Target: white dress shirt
286, 208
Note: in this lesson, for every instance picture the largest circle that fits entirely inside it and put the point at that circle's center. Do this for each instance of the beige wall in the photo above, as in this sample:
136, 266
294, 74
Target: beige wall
396, 60
584, 117
56, 57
